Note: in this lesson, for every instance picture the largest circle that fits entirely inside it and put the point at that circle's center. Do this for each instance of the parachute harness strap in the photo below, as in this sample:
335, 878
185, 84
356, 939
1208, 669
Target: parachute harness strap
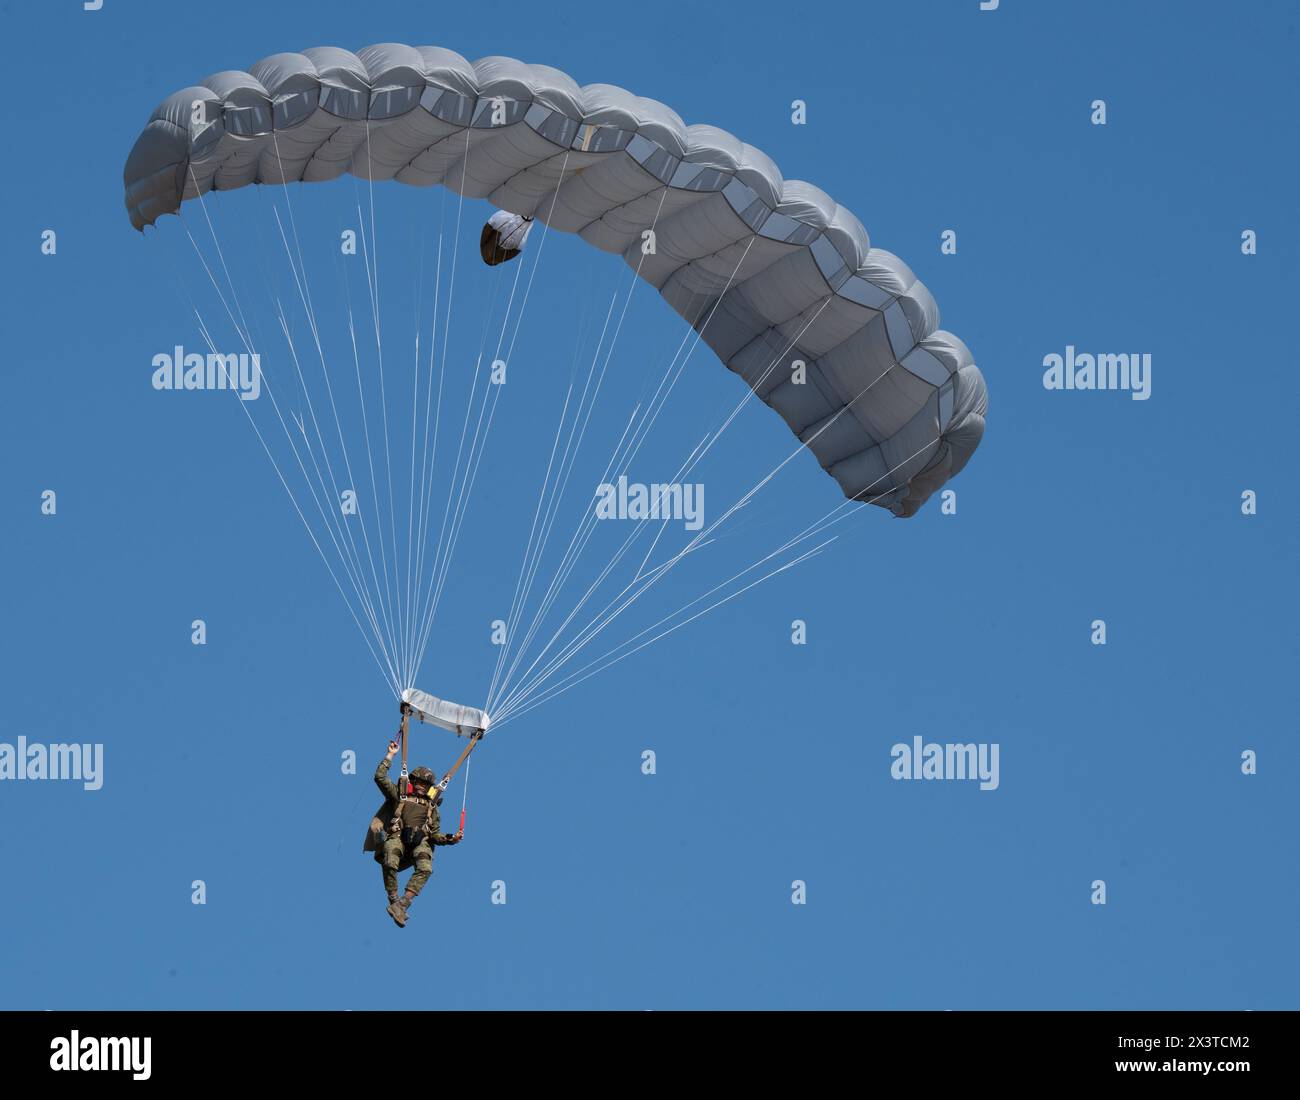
406, 719
397, 824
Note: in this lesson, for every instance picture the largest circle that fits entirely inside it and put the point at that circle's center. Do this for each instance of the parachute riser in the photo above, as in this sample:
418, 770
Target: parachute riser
404, 785
474, 739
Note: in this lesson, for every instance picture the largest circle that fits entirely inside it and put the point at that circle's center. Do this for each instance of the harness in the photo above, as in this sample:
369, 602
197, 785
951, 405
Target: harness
424, 830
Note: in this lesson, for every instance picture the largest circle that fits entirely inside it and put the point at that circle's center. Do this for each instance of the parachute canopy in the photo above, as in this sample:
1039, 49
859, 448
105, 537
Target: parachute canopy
839, 338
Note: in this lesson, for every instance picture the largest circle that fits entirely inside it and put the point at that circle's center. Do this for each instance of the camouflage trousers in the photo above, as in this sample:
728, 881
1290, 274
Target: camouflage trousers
396, 857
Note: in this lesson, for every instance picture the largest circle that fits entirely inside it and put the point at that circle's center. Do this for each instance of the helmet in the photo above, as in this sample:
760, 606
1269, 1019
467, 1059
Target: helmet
425, 776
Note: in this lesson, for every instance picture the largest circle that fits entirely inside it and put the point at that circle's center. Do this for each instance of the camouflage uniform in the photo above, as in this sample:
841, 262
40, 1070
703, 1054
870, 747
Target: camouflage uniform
414, 817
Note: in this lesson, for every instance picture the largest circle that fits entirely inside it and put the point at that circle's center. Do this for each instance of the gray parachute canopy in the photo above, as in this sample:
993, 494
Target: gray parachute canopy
773, 273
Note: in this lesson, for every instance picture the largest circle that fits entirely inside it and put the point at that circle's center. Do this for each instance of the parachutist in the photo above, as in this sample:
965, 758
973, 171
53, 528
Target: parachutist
413, 830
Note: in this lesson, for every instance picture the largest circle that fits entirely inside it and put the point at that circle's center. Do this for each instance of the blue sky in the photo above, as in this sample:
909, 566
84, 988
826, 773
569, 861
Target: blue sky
1121, 763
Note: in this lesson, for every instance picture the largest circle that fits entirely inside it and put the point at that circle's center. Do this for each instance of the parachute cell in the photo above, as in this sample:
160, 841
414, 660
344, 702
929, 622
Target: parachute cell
839, 338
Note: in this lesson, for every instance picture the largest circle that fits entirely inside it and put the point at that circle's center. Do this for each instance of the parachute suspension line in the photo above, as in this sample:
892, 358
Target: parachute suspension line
532, 559
370, 257
427, 502
415, 408
567, 563
461, 485
304, 289
706, 444
529, 698
521, 702
372, 278
390, 673
477, 448
810, 531
586, 526
569, 557
587, 523
605, 616
374, 509
426, 470
692, 460
534, 566
411, 518
627, 542
244, 335
541, 499
352, 560
423, 596
456, 488
548, 498
303, 280
694, 335
472, 475
275, 465
505, 323
304, 295
431, 457
464, 798
522, 705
